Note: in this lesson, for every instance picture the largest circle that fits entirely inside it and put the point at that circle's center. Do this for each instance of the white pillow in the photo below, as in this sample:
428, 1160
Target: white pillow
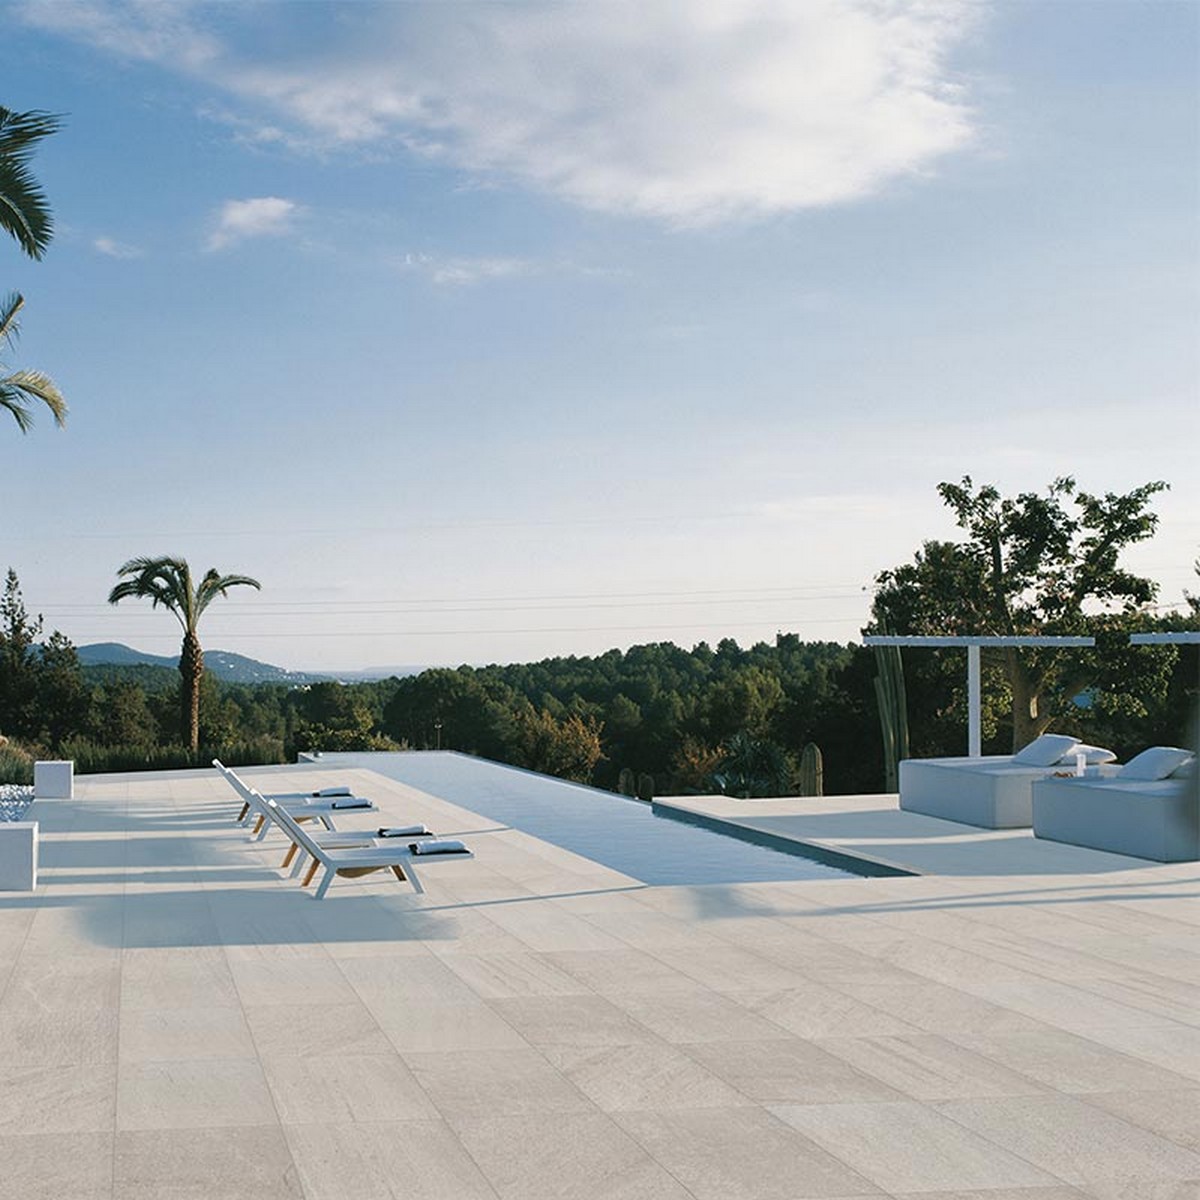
1156, 763
1046, 750
1186, 770
1095, 755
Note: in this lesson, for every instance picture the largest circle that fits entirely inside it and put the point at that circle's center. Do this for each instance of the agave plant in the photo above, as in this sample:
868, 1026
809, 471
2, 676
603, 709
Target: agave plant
19, 389
168, 581
752, 767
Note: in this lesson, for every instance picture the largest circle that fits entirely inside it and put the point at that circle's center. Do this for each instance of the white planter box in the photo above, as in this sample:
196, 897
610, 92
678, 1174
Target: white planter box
54, 780
18, 856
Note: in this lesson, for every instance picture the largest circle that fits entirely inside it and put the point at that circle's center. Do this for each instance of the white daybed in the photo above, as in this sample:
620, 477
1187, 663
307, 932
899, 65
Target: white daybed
995, 791
1138, 814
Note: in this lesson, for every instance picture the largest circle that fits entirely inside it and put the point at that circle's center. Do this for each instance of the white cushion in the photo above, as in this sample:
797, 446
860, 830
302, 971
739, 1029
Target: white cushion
1186, 770
1156, 763
1095, 755
1046, 750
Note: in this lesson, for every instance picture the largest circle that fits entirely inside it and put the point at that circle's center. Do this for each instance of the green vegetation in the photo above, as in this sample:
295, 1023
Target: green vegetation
1031, 565
168, 581
653, 719
24, 210
25, 214
788, 717
19, 388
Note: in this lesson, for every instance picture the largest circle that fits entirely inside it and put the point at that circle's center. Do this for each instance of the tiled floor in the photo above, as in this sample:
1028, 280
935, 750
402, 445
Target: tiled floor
178, 1019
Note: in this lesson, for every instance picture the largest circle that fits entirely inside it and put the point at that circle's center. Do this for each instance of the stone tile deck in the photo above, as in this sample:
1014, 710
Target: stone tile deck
1022, 1022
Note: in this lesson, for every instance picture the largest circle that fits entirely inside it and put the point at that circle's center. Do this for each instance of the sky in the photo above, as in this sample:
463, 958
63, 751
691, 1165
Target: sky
483, 332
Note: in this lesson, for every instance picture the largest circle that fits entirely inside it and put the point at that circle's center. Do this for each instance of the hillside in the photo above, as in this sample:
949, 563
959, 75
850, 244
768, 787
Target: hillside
224, 664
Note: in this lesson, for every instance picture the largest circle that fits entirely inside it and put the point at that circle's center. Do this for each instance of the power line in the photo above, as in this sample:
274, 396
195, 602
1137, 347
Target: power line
404, 633
714, 596
274, 611
421, 526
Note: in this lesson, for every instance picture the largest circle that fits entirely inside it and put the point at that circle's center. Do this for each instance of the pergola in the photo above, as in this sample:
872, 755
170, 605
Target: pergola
973, 645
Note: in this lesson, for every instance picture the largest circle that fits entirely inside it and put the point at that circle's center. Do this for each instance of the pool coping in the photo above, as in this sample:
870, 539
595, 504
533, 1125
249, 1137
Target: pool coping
800, 847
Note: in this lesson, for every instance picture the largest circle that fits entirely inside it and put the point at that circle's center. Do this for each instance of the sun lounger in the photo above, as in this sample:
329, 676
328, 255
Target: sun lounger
351, 862
340, 792
305, 806
348, 838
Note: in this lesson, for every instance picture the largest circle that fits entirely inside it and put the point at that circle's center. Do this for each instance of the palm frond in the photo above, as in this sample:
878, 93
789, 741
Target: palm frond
214, 584
163, 581
12, 400
168, 581
18, 389
24, 211
146, 565
9, 307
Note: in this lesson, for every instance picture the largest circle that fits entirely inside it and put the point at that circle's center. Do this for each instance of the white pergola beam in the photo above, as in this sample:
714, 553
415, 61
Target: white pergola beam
896, 639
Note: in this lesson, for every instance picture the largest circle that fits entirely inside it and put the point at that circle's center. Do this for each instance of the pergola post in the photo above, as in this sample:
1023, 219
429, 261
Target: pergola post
974, 703
974, 669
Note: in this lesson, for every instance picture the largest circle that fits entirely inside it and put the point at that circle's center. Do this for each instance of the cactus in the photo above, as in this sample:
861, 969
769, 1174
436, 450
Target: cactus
812, 771
893, 712
645, 788
627, 782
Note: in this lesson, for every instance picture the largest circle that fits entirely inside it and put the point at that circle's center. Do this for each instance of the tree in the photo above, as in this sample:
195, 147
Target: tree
120, 715
20, 387
450, 710
62, 700
42, 694
743, 701
695, 763
1029, 566
168, 581
24, 211
569, 748
19, 632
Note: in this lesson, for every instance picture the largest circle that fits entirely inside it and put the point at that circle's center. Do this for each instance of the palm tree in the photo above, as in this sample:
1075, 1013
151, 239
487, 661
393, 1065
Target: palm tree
24, 211
25, 214
168, 581
19, 388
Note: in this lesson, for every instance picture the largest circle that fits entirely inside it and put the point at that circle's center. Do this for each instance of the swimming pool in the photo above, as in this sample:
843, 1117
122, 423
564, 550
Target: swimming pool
624, 834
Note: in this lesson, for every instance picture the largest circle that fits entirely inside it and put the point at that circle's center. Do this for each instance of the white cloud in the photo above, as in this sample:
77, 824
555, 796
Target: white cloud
461, 270
111, 248
261, 216
689, 111
153, 30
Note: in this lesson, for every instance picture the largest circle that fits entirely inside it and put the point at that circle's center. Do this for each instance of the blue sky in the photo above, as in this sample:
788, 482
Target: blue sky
482, 332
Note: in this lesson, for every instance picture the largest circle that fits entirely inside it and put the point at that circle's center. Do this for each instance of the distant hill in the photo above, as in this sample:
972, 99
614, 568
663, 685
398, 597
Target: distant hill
224, 664
369, 674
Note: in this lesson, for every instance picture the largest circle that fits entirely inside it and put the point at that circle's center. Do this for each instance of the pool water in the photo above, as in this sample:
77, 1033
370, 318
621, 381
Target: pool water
624, 834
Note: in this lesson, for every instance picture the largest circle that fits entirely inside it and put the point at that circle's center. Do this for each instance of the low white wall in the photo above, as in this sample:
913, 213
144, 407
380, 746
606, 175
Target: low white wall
18, 856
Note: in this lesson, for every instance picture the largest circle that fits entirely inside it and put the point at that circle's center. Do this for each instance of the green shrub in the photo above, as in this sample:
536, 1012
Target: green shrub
91, 758
16, 764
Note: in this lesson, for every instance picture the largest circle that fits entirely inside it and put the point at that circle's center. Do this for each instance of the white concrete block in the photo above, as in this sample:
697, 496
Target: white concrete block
18, 856
54, 780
